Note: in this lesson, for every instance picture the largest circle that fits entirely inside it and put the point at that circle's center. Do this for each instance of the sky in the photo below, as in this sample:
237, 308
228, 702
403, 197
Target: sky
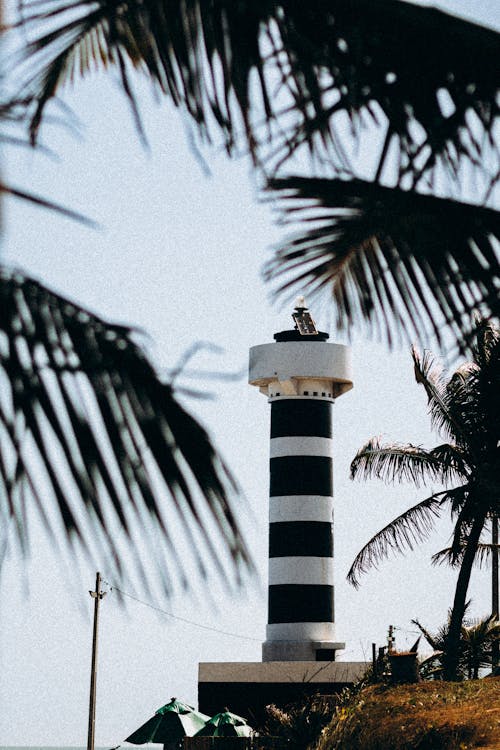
173, 240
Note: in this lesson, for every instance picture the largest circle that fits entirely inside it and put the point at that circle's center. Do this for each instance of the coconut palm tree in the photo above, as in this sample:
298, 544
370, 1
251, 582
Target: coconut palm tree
395, 244
476, 645
89, 430
478, 640
465, 410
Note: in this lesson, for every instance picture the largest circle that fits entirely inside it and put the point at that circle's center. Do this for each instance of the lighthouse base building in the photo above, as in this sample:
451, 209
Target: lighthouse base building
246, 688
301, 374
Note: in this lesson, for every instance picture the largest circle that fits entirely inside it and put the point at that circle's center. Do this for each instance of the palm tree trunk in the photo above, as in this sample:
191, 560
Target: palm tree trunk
452, 652
475, 675
495, 649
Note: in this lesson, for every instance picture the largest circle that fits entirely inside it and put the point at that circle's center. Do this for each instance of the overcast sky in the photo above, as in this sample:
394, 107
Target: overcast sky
176, 241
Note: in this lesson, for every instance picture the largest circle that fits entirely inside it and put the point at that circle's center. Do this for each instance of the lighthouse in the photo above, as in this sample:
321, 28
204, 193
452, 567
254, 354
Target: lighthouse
301, 374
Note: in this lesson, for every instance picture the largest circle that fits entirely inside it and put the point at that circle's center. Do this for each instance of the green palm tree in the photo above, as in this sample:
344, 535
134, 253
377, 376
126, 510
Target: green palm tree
465, 410
476, 645
283, 78
88, 428
478, 640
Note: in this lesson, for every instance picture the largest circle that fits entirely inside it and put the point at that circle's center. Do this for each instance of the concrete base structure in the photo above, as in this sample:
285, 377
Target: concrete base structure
298, 651
246, 688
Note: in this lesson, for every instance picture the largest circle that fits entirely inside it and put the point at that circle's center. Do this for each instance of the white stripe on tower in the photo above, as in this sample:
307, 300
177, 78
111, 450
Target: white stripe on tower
292, 570
300, 508
300, 446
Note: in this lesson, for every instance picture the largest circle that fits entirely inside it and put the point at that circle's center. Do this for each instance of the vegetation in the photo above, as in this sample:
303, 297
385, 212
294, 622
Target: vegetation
465, 410
475, 651
427, 716
83, 407
300, 724
396, 244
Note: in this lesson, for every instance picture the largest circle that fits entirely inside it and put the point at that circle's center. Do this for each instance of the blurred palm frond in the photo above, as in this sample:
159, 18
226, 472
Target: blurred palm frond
389, 257
90, 434
279, 74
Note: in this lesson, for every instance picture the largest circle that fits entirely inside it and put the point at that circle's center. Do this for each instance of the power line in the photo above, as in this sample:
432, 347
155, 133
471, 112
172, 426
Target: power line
182, 619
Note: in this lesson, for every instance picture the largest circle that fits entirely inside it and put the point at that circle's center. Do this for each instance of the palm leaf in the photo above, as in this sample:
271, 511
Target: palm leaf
86, 424
404, 532
38, 200
300, 65
437, 642
482, 408
408, 463
387, 257
449, 557
441, 398
12, 118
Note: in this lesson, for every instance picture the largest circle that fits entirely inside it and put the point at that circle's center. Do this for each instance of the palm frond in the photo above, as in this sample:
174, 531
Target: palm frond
88, 429
300, 65
387, 257
477, 640
486, 630
441, 397
404, 532
436, 641
397, 463
447, 555
38, 200
481, 410
487, 343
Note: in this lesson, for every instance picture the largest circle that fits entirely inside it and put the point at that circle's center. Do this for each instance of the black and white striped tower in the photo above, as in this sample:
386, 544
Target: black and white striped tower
301, 375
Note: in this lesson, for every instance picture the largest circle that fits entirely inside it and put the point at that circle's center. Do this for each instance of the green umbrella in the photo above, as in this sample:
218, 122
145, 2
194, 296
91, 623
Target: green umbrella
225, 724
170, 724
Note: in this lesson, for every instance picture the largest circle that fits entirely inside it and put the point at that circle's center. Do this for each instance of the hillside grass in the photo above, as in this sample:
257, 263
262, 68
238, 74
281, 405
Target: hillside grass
426, 716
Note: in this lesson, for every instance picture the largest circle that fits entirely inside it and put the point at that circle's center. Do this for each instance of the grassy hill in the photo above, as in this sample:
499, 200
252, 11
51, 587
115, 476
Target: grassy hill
426, 716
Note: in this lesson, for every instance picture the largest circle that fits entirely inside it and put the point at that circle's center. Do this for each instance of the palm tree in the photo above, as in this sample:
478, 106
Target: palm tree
478, 640
476, 645
393, 243
432, 666
465, 410
88, 429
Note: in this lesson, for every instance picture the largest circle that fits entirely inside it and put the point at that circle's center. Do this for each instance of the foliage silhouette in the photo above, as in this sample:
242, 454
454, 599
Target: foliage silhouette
88, 428
465, 410
476, 644
398, 252
282, 78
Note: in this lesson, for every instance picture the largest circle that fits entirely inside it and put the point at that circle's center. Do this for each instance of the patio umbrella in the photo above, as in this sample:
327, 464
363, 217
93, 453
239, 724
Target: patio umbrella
169, 725
225, 724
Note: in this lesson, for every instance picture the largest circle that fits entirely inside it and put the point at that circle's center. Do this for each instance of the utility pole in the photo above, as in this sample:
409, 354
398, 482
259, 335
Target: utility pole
96, 595
390, 638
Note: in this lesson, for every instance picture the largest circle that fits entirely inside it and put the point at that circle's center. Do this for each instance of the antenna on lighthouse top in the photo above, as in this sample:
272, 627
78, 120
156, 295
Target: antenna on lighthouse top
304, 323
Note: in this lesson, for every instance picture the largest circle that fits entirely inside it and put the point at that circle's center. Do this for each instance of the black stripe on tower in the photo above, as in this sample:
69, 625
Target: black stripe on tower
302, 416
301, 539
301, 475
300, 603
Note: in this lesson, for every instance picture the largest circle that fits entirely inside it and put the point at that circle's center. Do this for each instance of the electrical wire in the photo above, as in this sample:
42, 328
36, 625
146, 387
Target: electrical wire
181, 619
